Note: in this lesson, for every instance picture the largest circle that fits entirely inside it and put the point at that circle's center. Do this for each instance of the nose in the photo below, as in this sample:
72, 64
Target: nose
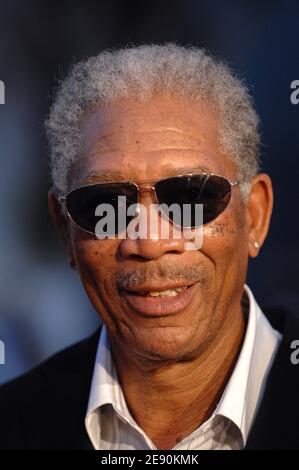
149, 248
151, 234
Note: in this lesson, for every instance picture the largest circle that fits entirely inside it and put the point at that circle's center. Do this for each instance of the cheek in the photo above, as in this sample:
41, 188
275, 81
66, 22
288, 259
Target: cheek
89, 254
96, 263
225, 244
95, 257
225, 239
221, 233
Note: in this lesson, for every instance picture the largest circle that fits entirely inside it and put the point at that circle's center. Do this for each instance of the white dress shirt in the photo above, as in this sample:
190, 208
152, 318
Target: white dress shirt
110, 425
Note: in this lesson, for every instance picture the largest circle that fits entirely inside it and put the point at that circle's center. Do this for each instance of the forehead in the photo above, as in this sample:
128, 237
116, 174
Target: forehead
164, 136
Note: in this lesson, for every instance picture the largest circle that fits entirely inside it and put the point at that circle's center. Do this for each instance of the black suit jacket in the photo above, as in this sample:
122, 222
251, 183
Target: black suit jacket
45, 408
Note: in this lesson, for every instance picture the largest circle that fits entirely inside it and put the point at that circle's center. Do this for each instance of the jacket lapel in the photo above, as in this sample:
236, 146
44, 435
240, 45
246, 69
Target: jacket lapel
277, 422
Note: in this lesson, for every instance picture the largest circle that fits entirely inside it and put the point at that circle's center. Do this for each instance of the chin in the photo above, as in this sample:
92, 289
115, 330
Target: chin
168, 344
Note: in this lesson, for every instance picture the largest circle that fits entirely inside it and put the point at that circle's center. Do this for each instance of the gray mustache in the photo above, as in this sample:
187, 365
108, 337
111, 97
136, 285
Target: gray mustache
138, 277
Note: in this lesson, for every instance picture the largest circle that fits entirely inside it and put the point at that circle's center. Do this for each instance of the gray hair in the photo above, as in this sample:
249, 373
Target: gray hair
139, 72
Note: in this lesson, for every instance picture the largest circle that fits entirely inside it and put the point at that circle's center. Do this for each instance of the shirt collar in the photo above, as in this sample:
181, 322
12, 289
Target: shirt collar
241, 396
105, 387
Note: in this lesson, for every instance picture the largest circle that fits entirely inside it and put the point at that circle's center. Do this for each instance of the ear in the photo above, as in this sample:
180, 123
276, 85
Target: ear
259, 210
61, 224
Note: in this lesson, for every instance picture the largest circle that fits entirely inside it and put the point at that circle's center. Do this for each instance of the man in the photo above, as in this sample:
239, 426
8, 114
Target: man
185, 359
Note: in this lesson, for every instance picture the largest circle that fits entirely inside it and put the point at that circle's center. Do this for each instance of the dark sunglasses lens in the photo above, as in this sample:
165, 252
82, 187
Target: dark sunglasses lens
212, 191
82, 204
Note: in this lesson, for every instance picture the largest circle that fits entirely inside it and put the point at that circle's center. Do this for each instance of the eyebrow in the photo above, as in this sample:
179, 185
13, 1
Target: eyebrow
114, 175
102, 176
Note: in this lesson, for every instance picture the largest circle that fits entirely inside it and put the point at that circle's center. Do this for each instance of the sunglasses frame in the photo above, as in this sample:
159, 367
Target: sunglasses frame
62, 199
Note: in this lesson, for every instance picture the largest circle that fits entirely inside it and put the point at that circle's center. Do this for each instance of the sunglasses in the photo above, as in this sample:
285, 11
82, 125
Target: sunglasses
212, 191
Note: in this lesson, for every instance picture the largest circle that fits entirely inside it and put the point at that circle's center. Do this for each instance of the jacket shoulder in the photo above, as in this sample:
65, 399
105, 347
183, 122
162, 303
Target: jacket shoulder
276, 425
45, 394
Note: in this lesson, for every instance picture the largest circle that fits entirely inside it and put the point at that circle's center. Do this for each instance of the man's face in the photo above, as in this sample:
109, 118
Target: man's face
150, 141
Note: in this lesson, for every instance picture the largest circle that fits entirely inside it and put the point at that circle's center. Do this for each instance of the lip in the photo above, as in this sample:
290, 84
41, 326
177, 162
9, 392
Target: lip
152, 306
153, 288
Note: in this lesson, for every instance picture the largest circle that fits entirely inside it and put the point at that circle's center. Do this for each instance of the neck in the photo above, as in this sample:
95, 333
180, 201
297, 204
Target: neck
187, 391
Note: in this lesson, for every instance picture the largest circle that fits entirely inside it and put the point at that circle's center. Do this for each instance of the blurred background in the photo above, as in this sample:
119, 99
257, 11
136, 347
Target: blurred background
42, 305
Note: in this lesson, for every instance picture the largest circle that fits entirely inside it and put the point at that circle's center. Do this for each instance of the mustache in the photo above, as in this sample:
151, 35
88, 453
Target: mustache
131, 279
